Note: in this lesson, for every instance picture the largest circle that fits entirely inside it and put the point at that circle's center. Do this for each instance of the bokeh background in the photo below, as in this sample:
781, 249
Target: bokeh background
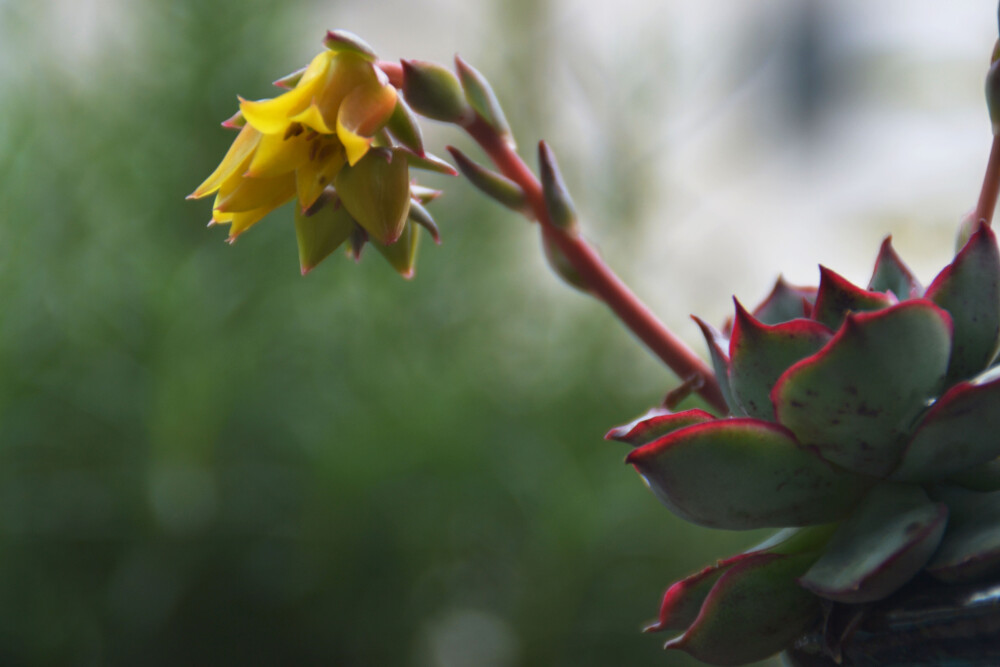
206, 459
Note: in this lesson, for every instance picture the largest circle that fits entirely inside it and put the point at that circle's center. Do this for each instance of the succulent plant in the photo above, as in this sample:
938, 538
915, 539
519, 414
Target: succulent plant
863, 422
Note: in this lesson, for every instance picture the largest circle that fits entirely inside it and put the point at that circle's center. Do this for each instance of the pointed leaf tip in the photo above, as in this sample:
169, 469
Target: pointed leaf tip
891, 274
837, 297
760, 353
655, 424
969, 289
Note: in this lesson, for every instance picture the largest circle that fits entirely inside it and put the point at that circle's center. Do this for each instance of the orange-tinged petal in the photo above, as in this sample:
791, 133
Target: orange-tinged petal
272, 116
278, 154
254, 193
233, 163
314, 175
347, 72
362, 113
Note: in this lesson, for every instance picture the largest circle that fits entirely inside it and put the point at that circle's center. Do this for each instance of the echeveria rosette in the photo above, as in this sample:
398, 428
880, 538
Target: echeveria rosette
340, 142
864, 421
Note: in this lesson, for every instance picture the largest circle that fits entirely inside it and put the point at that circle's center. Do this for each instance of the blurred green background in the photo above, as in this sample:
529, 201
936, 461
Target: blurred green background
206, 459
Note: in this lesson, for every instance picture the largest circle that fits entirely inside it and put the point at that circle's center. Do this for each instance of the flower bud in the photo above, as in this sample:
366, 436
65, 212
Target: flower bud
434, 92
562, 213
344, 41
493, 185
376, 192
993, 90
483, 100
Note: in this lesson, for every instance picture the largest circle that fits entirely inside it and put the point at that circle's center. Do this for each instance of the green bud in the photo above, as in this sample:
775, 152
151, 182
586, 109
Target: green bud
493, 185
420, 216
483, 100
559, 263
344, 41
321, 230
376, 192
557, 199
402, 254
402, 124
434, 92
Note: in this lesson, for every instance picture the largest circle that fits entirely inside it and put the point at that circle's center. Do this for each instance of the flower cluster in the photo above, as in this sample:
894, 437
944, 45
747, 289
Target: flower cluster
340, 142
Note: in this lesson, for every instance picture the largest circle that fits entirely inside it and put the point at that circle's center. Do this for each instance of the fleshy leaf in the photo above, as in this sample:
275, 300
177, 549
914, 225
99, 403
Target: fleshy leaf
971, 545
683, 600
320, 232
888, 539
856, 399
759, 354
753, 611
720, 362
838, 296
656, 423
376, 192
745, 473
985, 477
785, 302
892, 275
969, 289
960, 431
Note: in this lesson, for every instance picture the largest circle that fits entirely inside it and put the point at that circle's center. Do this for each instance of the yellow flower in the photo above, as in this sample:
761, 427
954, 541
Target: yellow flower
340, 142
294, 145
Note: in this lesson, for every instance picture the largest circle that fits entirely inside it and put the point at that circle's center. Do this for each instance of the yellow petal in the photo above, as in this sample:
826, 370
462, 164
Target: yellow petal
312, 117
278, 154
233, 163
242, 221
273, 115
362, 113
314, 175
254, 193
